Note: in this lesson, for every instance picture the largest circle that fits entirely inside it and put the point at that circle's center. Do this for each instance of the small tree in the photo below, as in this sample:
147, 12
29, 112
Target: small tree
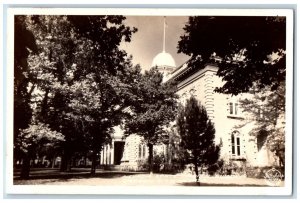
32, 140
197, 135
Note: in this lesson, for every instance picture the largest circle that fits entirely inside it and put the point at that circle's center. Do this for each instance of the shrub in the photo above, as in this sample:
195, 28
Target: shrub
142, 165
259, 172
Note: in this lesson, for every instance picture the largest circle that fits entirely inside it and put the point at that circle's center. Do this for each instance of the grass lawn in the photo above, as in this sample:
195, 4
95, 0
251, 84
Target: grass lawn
82, 177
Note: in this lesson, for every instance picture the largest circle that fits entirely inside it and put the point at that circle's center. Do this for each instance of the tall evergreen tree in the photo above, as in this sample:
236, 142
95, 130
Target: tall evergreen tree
197, 135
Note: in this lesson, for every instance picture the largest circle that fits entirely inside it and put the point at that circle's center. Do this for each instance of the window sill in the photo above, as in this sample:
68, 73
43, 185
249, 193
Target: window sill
235, 117
238, 158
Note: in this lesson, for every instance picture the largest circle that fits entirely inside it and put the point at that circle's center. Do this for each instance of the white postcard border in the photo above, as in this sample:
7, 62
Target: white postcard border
174, 190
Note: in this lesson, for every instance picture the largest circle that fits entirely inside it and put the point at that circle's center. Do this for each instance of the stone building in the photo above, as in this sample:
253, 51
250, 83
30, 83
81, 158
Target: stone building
225, 112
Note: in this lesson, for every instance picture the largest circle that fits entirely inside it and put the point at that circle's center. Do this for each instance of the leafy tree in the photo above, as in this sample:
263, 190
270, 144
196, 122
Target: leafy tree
197, 135
266, 110
80, 78
153, 110
108, 77
47, 74
24, 44
249, 50
32, 140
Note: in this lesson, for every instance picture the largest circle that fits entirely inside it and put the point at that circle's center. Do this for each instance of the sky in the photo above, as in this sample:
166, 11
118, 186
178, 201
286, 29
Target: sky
147, 42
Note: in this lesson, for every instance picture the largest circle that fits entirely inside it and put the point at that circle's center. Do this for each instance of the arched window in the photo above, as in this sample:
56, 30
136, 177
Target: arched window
235, 143
261, 138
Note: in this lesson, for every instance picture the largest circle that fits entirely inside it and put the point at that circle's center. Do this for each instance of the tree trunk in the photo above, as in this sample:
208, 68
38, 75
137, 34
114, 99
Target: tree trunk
150, 158
94, 162
65, 163
25, 167
196, 171
53, 162
170, 154
25, 171
280, 155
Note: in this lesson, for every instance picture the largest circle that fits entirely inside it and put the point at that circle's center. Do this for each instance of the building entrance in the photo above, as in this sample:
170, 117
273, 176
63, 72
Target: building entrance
118, 151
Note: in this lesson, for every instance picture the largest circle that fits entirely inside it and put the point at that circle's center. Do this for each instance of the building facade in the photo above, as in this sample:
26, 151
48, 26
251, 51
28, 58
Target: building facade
225, 112
231, 124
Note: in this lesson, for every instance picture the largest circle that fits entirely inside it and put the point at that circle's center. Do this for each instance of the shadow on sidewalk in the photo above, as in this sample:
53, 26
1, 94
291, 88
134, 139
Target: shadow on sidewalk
77, 173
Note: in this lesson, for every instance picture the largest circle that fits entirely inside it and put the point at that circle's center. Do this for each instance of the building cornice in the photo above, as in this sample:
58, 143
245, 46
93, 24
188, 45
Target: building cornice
195, 76
184, 71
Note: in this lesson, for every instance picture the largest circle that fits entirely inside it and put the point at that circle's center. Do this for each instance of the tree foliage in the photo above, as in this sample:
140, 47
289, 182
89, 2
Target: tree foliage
24, 43
153, 109
268, 110
37, 135
197, 134
32, 141
79, 78
249, 50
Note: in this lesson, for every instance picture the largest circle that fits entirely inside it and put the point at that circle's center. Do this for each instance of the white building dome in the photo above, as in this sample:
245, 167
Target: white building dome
163, 59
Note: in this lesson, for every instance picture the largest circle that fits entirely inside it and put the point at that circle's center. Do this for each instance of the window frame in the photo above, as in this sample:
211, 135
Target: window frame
236, 149
234, 108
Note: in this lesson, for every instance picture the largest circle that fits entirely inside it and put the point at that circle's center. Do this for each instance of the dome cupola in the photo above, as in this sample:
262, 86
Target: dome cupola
164, 61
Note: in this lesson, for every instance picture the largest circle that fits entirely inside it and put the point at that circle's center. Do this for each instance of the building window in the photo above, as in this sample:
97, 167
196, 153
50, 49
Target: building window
144, 151
233, 108
140, 151
236, 143
261, 138
193, 92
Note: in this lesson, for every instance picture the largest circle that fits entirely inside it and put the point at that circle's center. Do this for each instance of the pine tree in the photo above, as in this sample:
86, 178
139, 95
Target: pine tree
197, 135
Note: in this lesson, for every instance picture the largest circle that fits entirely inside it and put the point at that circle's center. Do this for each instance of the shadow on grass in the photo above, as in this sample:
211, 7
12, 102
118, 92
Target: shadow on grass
167, 173
74, 174
219, 184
